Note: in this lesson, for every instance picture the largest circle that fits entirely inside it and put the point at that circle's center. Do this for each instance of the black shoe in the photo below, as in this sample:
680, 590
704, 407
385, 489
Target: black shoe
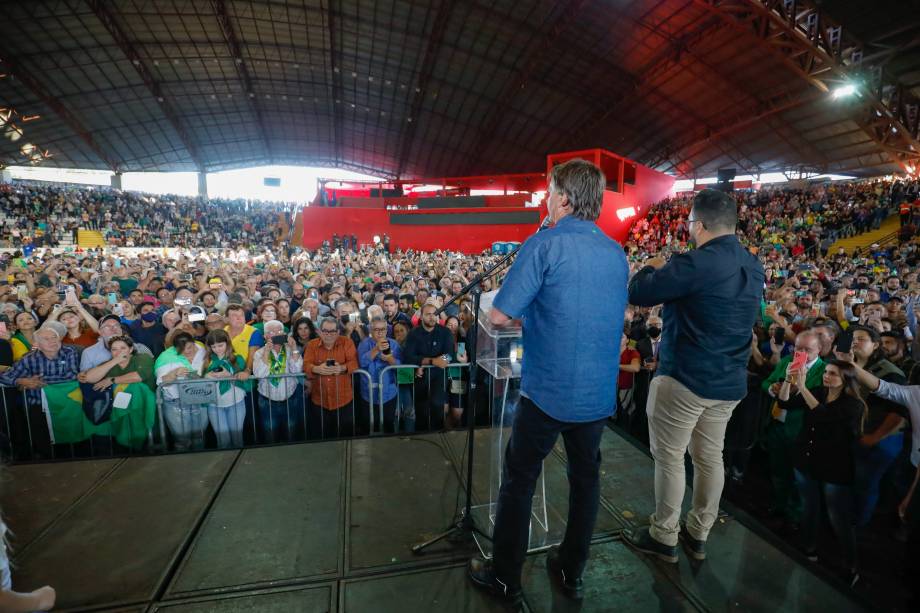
572, 586
640, 540
695, 548
482, 574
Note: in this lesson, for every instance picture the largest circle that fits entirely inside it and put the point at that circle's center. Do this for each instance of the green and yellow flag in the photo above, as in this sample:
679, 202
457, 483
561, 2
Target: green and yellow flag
129, 426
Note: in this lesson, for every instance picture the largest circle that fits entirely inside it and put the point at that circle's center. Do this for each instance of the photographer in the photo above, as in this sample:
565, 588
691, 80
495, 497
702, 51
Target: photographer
281, 399
375, 353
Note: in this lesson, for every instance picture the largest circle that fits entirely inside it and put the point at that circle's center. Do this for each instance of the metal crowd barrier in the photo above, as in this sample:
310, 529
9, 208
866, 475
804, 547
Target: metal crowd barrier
31, 430
401, 413
277, 409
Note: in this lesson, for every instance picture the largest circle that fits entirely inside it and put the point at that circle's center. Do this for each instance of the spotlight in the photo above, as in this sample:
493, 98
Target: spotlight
844, 91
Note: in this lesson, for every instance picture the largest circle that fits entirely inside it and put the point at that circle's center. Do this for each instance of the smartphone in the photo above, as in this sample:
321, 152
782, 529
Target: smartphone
799, 359
3, 329
844, 342
851, 292
330, 362
461, 349
22, 292
352, 317
779, 336
113, 298
279, 339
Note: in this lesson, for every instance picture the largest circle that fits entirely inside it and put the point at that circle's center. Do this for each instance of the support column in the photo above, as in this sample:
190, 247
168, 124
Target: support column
203, 185
116, 180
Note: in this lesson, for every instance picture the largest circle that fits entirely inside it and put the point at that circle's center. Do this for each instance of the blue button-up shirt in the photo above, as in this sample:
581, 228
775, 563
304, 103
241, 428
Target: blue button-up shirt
375, 367
711, 299
63, 367
568, 284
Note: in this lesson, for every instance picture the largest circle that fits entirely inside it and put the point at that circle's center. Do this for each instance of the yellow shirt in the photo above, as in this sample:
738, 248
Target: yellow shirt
241, 342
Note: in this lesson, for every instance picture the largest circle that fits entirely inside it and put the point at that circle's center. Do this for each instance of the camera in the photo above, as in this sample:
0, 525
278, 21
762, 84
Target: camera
279, 339
196, 313
330, 362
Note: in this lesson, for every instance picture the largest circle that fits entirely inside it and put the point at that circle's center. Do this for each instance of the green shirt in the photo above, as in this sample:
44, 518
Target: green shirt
142, 364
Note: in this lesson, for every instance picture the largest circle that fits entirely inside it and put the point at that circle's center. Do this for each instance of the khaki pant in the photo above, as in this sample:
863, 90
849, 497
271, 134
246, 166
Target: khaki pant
678, 418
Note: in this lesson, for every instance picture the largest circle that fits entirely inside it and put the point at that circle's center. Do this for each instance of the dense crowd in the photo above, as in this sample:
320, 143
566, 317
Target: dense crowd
790, 222
36, 215
295, 345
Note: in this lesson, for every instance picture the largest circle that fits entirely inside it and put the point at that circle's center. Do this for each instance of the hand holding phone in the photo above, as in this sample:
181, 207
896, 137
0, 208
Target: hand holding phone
799, 359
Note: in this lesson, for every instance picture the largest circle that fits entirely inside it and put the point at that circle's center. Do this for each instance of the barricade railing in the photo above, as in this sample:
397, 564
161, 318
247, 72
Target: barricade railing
444, 391
68, 420
188, 414
281, 408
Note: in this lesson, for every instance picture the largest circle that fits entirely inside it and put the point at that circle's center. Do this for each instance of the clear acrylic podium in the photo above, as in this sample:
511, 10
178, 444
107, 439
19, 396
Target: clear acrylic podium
499, 352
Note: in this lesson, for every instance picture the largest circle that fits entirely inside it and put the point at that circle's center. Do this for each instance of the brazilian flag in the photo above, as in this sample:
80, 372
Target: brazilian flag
67, 423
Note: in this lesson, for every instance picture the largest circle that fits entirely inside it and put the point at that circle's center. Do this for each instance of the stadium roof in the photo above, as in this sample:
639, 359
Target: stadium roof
447, 88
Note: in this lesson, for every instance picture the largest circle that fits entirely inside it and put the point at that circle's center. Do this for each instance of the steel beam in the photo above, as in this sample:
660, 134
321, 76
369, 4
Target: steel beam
336, 78
102, 12
824, 54
25, 77
407, 138
528, 65
233, 44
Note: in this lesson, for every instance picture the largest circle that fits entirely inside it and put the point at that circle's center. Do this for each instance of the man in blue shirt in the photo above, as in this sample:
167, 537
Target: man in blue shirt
568, 284
376, 353
711, 297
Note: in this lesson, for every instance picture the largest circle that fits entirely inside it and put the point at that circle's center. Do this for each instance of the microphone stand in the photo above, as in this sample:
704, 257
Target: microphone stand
464, 527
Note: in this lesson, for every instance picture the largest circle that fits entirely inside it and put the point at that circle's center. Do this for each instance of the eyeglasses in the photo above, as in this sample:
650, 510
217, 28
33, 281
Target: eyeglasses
379, 330
690, 221
329, 331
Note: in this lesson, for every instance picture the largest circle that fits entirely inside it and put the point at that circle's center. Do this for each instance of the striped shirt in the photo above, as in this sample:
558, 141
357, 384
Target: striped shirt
63, 367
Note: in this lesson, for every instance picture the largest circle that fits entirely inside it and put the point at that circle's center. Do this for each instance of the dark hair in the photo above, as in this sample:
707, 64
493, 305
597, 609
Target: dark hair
146, 303
851, 385
303, 320
122, 338
235, 307
716, 210
408, 297
181, 340
583, 184
392, 297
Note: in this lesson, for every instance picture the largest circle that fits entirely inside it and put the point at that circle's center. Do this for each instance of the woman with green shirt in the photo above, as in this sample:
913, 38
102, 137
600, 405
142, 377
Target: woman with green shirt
126, 366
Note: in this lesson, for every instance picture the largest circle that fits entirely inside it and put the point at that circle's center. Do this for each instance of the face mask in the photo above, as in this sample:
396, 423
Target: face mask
149, 317
654, 331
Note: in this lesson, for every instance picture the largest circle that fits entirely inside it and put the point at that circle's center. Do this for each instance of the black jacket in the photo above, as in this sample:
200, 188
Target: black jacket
711, 299
826, 445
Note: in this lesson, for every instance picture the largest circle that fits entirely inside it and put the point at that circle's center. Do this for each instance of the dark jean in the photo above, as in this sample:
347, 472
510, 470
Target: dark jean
324, 424
282, 421
533, 435
839, 502
872, 464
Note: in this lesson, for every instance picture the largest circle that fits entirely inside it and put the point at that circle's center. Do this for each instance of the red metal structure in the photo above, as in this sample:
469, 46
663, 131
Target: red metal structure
452, 218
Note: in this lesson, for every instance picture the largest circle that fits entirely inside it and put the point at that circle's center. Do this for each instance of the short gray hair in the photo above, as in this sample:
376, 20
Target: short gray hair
273, 323
583, 184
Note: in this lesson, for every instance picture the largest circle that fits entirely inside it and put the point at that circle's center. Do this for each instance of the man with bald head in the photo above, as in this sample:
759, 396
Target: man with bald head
785, 425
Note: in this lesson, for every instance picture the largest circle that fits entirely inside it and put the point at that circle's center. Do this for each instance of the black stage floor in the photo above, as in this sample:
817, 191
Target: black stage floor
328, 526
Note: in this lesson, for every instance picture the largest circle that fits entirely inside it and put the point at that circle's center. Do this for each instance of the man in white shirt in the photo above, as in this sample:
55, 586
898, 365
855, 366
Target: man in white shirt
281, 398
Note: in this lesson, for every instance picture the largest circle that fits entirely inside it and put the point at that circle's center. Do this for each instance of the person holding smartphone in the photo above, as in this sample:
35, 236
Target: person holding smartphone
785, 425
328, 362
823, 453
281, 399
375, 353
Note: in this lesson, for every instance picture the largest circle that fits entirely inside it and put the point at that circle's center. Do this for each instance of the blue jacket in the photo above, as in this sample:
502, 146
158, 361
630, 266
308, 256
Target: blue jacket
711, 299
